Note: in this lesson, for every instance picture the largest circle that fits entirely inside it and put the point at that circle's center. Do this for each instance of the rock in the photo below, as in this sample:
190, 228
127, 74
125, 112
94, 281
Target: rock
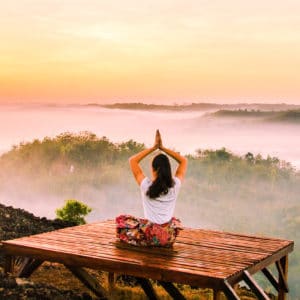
16, 223
23, 281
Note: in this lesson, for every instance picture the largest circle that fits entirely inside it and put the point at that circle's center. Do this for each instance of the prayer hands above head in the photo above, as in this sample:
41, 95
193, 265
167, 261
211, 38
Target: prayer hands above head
158, 141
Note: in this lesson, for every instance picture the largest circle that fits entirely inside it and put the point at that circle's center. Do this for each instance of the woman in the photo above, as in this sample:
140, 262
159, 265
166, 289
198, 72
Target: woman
159, 194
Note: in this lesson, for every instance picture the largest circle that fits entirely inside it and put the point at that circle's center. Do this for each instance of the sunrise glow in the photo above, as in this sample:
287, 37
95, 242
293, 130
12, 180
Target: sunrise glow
151, 51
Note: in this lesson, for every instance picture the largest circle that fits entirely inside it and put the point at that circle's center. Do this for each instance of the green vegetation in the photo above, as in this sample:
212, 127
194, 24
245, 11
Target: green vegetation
242, 113
143, 106
248, 194
289, 116
74, 211
201, 106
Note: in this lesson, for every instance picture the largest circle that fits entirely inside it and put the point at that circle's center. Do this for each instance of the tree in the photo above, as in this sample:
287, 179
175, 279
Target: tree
73, 211
249, 157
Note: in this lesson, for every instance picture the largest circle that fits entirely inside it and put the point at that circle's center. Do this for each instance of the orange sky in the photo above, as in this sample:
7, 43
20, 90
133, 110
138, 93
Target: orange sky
151, 51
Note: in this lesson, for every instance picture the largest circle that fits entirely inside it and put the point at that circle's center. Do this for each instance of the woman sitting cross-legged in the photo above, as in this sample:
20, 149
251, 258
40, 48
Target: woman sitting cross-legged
159, 194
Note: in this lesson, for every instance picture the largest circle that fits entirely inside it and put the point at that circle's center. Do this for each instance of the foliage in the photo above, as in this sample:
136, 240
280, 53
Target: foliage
249, 194
292, 116
288, 116
149, 107
73, 211
242, 113
56, 155
226, 108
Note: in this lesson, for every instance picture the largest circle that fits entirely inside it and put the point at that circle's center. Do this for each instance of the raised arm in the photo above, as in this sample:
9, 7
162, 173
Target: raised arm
135, 159
182, 161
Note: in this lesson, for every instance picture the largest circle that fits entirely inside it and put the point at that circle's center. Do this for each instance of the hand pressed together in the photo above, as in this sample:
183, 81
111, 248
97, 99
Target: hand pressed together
158, 141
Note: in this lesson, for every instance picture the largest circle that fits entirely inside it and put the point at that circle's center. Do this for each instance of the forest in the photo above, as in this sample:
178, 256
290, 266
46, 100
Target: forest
289, 116
202, 106
224, 191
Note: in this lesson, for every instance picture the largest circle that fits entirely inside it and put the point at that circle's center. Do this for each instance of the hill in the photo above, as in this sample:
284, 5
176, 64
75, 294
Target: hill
289, 116
248, 194
16, 223
53, 281
200, 106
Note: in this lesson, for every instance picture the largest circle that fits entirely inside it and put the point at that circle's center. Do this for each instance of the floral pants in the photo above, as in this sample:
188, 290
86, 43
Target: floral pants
142, 232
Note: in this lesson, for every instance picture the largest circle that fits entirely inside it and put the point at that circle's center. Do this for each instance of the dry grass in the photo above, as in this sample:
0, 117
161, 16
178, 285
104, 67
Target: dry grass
58, 276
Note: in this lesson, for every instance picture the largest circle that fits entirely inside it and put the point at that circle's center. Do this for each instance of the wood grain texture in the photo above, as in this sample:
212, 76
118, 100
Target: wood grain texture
203, 258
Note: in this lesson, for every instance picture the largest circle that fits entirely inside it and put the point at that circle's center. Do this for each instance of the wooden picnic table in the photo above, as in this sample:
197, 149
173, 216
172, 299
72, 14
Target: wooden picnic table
202, 258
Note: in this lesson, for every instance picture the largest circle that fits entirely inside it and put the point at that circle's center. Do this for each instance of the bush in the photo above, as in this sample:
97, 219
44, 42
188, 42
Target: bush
73, 211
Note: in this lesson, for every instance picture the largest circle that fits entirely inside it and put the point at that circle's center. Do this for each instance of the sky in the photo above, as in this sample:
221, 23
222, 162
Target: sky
170, 51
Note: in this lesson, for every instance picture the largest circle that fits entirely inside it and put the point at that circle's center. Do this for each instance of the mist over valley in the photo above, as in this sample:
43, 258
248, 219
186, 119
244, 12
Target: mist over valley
183, 129
243, 174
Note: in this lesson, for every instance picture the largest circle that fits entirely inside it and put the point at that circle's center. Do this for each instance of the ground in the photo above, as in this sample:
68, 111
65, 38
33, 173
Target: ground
53, 281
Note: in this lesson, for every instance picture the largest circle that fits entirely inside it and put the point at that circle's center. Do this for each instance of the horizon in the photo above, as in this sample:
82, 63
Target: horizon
170, 104
159, 52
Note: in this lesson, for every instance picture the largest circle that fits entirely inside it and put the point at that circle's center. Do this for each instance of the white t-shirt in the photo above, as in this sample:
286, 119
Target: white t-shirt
161, 209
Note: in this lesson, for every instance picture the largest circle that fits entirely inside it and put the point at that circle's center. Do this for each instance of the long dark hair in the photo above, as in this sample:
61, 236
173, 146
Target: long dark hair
163, 181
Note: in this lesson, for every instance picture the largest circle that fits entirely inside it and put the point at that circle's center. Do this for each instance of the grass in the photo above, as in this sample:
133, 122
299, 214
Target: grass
58, 276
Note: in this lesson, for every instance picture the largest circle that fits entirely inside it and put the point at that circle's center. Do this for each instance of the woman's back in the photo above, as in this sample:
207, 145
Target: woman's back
159, 194
161, 209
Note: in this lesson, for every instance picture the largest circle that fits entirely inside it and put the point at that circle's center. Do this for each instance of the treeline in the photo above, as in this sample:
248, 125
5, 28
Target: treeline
85, 153
201, 106
67, 149
65, 166
75, 153
292, 116
149, 107
248, 193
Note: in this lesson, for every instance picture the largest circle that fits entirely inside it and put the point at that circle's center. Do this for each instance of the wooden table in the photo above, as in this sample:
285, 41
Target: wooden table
202, 258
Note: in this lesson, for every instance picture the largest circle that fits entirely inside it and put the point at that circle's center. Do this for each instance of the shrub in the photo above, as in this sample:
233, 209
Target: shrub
73, 211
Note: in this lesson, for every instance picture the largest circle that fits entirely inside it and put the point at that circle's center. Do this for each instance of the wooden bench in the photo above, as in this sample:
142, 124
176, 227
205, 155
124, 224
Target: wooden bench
201, 258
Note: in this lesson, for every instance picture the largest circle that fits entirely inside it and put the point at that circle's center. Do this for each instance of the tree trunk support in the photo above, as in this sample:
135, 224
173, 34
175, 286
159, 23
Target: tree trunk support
271, 278
257, 290
230, 292
26, 266
172, 290
282, 267
89, 281
9, 262
21, 266
147, 287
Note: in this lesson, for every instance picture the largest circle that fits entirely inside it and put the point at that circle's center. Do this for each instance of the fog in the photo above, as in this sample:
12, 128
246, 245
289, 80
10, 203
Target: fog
183, 131
213, 196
